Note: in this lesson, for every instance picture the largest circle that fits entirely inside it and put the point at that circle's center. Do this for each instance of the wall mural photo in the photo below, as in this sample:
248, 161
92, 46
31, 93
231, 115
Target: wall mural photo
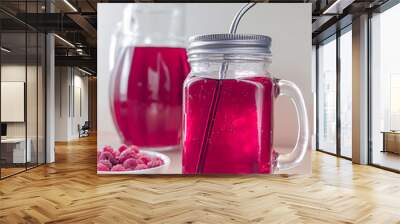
193, 89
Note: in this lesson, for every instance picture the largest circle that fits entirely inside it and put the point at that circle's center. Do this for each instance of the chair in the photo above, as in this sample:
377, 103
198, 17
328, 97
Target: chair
84, 130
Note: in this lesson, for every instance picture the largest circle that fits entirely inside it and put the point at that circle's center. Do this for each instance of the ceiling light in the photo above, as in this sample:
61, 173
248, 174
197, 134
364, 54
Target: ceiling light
333, 6
84, 71
5, 50
70, 5
80, 51
65, 41
338, 6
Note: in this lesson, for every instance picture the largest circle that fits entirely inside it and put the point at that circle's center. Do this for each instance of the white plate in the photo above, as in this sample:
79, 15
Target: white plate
155, 170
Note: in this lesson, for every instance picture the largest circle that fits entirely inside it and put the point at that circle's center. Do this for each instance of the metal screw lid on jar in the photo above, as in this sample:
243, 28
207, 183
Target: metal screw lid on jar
230, 44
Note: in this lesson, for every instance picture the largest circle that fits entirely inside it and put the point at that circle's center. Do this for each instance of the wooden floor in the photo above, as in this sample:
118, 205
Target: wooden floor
5, 172
387, 159
69, 191
10, 171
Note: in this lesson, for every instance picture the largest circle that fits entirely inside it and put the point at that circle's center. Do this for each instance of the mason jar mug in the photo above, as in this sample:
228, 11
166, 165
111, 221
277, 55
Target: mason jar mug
228, 108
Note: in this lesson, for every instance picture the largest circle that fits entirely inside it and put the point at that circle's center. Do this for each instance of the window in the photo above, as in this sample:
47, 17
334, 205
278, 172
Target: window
394, 102
22, 77
385, 89
335, 74
346, 93
327, 96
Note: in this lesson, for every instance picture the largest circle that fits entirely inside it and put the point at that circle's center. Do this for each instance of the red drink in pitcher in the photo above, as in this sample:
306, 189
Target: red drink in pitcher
148, 75
147, 95
241, 138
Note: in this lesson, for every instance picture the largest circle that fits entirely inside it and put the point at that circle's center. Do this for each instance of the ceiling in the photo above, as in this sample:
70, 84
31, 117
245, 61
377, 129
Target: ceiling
76, 22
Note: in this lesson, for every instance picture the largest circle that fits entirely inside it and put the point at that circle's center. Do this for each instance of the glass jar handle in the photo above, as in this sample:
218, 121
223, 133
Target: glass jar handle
293, 158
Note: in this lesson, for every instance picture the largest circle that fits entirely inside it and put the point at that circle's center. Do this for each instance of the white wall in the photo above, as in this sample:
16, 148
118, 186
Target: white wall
12, 101
12, 73
289, 26
80, 83
108, 15
33, 127
68, 81
61, 103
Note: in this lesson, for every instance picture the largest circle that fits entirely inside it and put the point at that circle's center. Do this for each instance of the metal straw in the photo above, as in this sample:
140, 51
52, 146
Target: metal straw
239, 16
217, 92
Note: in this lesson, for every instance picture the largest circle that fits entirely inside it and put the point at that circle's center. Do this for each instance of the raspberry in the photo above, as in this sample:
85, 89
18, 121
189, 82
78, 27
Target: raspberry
139, 161
122, 148
106, 163
130, 164
118, 167
141, 167
152, 164
159, 159
125, 158
108, 156
127, 154
109, 149
105, 156
155, 162
102, 167
134, 148
145, 159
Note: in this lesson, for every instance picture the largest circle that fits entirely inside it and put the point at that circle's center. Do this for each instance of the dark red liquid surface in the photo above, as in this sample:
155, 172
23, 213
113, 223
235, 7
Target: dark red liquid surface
240, 141
147, 95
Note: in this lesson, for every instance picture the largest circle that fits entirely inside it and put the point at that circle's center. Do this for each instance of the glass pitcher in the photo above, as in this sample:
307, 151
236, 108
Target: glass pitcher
148, 76
228, 108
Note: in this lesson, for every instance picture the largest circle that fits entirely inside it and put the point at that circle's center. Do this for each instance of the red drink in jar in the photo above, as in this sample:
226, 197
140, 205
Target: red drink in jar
241, 139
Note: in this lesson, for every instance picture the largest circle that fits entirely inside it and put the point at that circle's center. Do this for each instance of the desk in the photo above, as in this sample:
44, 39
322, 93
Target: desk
391, 141
16, 148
